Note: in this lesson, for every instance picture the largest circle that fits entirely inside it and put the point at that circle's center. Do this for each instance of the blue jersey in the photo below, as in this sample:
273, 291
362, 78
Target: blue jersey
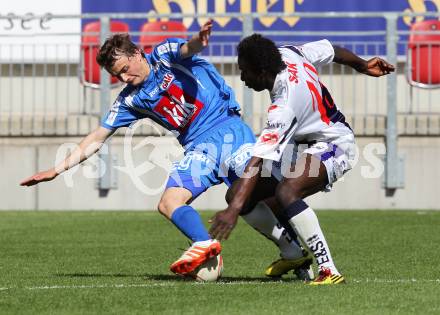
186, 96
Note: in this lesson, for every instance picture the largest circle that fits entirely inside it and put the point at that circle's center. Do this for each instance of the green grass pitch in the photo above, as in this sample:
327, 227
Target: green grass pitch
117, 263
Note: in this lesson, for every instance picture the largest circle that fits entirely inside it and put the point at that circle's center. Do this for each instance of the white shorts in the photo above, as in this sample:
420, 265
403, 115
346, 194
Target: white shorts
337, 156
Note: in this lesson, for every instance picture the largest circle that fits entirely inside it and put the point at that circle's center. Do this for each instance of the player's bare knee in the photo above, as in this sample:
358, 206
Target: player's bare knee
287, 193
172, 199
166, 205
161, 206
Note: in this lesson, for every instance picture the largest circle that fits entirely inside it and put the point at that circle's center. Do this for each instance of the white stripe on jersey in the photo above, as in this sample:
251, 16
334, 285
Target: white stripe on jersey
164, 62
129, 98
167, 47
188, 73
113, 111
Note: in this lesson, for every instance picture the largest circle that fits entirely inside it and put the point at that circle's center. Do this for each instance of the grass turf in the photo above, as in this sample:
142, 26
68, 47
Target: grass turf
117, 263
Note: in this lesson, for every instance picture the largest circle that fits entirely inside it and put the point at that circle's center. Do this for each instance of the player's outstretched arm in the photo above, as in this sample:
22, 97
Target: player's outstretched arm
374, 67
197, 42
87, 147
223, 222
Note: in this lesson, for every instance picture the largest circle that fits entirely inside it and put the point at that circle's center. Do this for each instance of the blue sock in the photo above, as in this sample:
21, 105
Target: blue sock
189, 222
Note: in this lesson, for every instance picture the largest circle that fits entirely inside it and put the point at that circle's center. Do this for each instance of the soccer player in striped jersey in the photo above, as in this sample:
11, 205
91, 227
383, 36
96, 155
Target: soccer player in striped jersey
301, 115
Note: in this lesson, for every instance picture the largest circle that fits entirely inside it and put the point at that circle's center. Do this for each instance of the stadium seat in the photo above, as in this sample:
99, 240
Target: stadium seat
89, 68
423, 67
153, 33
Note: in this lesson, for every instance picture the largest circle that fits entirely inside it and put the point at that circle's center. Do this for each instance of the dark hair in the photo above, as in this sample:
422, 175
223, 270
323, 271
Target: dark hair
260, 53
115, 46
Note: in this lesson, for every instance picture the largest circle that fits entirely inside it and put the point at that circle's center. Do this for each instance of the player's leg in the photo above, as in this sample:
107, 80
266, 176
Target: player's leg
173, 205
292, 255
183, 186
310, 177
259, 216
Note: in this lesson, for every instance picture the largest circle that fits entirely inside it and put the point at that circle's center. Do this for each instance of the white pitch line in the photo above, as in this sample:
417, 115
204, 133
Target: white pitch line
99, 286
393, 280
170, 284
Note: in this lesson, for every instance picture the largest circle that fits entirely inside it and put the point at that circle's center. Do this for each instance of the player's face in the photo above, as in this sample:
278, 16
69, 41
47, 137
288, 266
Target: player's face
131, 69
250, 77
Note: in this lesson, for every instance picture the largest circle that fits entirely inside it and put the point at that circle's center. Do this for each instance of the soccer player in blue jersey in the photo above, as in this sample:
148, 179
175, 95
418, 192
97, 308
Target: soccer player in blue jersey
186, 95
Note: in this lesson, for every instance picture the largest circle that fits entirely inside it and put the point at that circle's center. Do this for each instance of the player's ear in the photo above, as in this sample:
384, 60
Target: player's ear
138, 54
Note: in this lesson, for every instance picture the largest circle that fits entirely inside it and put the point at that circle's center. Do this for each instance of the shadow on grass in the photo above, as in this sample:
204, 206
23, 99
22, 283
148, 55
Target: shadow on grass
98, 275
222, 279
166, 277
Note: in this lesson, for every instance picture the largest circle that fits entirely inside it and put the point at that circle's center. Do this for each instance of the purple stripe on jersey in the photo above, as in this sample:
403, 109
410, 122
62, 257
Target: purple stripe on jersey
294, 49
339, 117
329, 154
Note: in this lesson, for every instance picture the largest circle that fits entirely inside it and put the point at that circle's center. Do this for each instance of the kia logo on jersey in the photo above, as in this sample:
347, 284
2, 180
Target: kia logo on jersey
178, 107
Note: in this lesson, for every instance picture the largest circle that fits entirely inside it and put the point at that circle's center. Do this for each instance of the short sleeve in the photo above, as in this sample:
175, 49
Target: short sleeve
168, 51
318, 53
120, 115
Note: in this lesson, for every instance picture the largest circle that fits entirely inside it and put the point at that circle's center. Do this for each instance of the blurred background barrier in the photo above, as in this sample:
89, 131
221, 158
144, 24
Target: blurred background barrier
44, 84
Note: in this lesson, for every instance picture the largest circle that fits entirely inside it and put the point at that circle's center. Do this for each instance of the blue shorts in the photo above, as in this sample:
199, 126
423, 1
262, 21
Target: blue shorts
219, 156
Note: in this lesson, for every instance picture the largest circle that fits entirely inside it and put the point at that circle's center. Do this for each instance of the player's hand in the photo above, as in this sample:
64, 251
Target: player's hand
205, 33
44, 176
377, 67
223, 222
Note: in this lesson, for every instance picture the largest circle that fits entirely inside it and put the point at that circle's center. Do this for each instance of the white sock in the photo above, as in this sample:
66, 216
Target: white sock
204, 243
306, 224
264, 221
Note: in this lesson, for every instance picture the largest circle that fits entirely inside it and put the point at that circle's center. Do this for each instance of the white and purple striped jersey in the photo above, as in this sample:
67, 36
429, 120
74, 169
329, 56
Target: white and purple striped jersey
302, 109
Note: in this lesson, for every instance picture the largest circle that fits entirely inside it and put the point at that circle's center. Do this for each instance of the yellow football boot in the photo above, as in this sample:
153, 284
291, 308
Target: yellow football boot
325, 277
300, 266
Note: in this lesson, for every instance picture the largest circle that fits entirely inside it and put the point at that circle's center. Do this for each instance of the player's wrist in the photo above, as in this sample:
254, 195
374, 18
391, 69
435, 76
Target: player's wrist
361, 66
235, 208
